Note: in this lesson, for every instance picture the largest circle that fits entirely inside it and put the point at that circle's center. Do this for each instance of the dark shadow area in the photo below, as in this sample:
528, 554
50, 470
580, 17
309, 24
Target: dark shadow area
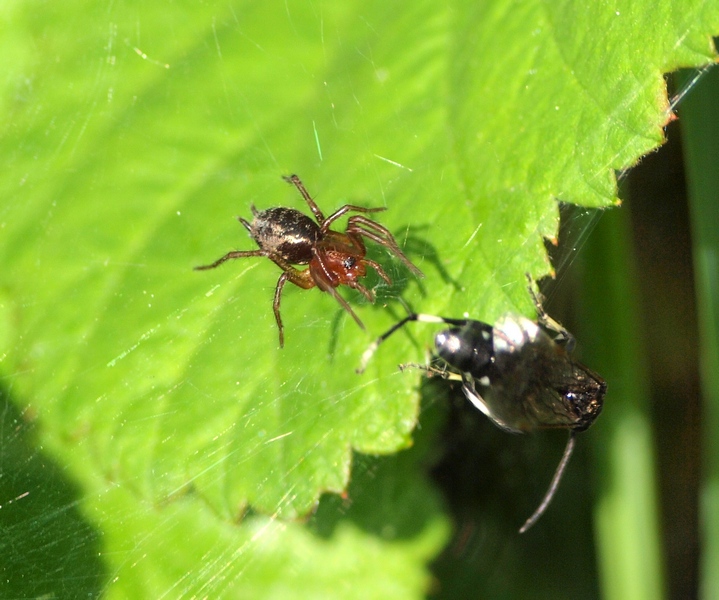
663, 247
47, 547
422, 253
416, 246
388, 496
493, 481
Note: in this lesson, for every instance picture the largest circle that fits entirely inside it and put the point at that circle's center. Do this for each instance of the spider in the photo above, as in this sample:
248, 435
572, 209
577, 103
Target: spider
519, 373
288, 237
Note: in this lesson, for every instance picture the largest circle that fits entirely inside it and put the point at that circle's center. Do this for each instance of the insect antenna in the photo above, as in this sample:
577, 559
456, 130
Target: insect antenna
561, 467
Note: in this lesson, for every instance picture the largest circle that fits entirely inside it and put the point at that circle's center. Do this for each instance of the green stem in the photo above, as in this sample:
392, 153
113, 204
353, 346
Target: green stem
627, 523
700, 128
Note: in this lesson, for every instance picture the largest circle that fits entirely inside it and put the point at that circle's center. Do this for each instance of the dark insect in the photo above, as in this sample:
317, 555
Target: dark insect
520, 373
288, 237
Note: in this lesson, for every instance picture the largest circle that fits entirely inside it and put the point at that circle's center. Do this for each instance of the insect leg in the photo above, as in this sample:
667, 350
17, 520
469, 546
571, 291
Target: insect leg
564, 338
561, 467
372, 348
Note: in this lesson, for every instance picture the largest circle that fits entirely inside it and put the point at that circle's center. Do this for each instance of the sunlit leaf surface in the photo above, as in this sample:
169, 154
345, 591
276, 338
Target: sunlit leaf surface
133, 136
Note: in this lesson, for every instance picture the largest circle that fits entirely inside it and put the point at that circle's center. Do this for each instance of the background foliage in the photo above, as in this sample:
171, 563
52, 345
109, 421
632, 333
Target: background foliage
156, 442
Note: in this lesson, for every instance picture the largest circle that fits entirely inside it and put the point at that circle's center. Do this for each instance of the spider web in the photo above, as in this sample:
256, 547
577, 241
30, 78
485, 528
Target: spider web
155, 442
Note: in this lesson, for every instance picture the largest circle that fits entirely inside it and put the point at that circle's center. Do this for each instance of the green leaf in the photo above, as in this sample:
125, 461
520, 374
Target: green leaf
134, 134
371, 551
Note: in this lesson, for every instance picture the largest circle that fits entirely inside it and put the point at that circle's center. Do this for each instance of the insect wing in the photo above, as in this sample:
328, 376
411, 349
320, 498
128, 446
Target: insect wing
535, 383
581, 392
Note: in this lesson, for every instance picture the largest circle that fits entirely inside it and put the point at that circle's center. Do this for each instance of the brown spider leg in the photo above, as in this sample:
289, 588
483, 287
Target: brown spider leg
229, 255
343, 303
294, 180
236, 253
380, 235
379, 269
299, 278
276, 306
325, 223
362, 289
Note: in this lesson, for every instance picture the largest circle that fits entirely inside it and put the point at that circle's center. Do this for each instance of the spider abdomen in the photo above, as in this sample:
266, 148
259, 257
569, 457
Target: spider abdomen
285, 232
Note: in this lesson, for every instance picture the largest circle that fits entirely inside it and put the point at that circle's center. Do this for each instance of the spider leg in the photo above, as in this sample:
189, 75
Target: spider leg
344, 210
236, 253
379, 269
294, 180
343, 303
299, 278
361, 225
276, 305
245, 222
229, 255
355, 285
